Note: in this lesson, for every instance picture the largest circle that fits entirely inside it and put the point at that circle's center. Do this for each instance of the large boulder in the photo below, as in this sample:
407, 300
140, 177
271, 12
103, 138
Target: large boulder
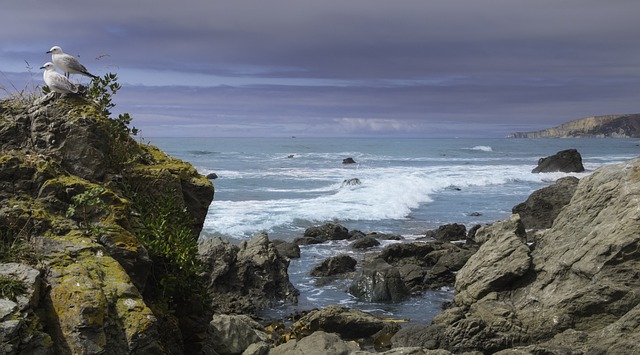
566, 161
543, 206
349, 323
246, 278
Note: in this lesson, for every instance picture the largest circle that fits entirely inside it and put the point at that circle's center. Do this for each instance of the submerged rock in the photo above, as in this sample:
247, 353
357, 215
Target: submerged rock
335, 265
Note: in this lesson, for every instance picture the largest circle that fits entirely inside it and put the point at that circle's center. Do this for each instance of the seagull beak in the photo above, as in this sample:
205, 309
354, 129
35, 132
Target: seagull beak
48, 52
41, 67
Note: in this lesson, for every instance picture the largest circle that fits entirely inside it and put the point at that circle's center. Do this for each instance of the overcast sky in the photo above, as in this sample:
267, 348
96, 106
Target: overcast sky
418, 68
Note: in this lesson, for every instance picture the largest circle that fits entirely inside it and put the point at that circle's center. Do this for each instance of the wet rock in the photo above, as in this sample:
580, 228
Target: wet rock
290, 250
566, 161
348, 161
365, 243
212, 176
335, 265
379, 282
543, 206
327, 231
448, 233
351, 182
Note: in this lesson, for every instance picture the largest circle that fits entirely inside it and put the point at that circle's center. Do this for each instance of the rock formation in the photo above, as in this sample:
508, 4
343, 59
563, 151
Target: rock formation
245, 278
75, 212
566, 161
543, 206
598, 126
575, 292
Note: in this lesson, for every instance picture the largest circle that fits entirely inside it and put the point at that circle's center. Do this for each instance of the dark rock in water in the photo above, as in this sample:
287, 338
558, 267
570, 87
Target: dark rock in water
307, 241
448, 232
348, 161
351, 182
379, 282
247, 278
212, 176
566, 161
290, 250
356, 234
290, 156
327, 231
364, 243
543, 206
335, 265
474, 214
427, 265
471, 234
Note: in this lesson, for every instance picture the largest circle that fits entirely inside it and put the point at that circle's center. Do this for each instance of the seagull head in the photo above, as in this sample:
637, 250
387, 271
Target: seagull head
55, 50
48, 66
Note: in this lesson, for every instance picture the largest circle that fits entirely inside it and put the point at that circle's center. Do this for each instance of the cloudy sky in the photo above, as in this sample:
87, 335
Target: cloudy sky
415, 68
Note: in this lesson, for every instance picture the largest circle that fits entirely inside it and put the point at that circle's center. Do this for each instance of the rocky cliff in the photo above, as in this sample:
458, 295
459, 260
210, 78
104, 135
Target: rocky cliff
573, 291
98, 235
598, 126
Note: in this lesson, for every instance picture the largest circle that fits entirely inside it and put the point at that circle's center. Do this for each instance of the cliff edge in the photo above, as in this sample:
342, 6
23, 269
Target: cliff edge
619, 126
98, 235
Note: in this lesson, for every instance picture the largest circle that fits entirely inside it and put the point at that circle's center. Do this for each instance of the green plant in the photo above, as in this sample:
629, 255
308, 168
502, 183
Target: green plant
166, 232
14, 240
86, 203
102, 90
10, 288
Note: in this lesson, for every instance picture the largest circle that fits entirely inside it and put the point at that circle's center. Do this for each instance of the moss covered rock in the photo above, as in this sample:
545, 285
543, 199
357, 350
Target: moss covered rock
75, 205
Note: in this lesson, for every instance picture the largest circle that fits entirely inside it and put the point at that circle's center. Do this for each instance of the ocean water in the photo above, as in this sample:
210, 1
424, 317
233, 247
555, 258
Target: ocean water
408, 186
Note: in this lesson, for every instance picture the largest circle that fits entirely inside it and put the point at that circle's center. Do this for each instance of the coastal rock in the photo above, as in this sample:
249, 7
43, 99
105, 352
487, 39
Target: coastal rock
334, 265
365, 243
448, 233
349, 323
71, 191
427, 265
212, 176
503, 258
288, 249
233, 334
327, 231
379, 282
625, 125
566, 161
348, 161
577, 289
543, 206
318, 343
247, 278
351, 182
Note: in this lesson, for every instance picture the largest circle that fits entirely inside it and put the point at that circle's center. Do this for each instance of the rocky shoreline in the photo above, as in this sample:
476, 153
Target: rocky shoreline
100, 255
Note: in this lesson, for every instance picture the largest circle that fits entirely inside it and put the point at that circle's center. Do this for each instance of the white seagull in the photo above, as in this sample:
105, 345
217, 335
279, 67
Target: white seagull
68, 63
56, 81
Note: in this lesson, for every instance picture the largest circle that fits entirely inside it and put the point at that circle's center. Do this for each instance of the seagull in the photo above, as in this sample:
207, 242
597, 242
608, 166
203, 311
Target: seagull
56, 81
68, 63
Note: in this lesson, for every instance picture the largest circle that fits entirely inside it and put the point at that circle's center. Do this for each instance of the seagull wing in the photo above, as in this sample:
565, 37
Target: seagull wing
58, 83
70, 64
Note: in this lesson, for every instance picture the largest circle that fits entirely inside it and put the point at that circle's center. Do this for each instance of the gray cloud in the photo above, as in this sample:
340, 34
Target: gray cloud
352, 67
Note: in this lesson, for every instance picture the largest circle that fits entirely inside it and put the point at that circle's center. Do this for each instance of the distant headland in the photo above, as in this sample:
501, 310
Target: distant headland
619, 126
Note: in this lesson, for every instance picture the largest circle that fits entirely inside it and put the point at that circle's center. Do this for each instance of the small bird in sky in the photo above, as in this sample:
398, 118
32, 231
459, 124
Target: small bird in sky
68, 63
56, 81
